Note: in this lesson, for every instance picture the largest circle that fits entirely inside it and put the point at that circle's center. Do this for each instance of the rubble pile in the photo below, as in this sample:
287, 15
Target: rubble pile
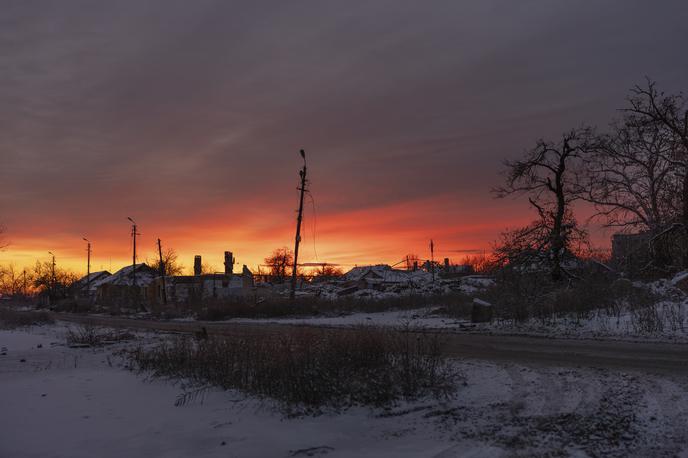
383, 281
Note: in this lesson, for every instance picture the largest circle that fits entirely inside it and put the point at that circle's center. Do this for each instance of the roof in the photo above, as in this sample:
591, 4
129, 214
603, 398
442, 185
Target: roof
387, 274
125, 276
92, 277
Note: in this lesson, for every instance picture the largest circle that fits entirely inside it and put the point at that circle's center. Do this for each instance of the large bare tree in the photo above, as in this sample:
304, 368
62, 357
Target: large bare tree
549, 175
631, 177
650, 106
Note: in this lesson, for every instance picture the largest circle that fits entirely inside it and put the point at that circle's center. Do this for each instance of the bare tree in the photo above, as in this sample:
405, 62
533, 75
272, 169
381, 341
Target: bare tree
55, 282
648, 106
411, 261
631, 178
480, 263
170, 262
550, 176
328, 271
207, 268
278, 262
14, 282
3, 243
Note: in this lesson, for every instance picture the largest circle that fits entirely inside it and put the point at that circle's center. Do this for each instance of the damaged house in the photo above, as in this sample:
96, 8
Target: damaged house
201, 286
126, 287
85, 287
143, 286
383, 277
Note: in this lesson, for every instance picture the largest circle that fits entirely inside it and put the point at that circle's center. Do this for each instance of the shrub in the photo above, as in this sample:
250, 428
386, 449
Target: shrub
310, 368
90, 336
10, 319
522, 297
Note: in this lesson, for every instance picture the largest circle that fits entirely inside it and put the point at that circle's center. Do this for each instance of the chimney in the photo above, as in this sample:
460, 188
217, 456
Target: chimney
197, 264
229, 263
446, 263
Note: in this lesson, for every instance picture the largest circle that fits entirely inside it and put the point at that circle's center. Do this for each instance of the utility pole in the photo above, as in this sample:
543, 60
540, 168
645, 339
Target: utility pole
133, 257
432, 259
88, 266
162, 273
52, 277
302, 173
24, 281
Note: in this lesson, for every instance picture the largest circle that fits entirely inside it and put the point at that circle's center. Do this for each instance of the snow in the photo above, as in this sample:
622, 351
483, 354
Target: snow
679, 277
64, 402
72, 403
670, 319
124, 277
418, 317
481, 302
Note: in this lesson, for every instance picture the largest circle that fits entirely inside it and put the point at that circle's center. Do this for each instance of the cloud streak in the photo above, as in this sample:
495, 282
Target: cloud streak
190, 114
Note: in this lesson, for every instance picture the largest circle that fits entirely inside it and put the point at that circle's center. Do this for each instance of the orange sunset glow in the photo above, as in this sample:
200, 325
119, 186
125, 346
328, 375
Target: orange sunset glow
197, 136
389, 228
356, 237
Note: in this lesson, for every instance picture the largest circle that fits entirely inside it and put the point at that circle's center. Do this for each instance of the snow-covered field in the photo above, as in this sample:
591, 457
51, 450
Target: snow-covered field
67, 402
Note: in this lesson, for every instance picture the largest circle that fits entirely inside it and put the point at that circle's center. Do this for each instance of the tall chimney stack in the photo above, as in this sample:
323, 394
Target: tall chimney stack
197, 264
229, 263
446, 263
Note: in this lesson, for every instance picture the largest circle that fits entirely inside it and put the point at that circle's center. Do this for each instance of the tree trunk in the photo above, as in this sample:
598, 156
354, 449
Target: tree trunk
684, 220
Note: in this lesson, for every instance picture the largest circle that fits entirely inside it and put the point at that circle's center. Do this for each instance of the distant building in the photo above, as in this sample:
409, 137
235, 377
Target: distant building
382, 276
195, 288
644, 252
142, 286
86, 286
126, 287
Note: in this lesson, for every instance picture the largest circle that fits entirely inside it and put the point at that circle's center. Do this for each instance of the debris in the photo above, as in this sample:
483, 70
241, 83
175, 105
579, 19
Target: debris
482, 311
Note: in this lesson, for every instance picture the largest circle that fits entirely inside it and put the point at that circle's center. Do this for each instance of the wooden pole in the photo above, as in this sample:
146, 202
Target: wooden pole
133, 257
88, 268
299, 218
432, 259
162, 273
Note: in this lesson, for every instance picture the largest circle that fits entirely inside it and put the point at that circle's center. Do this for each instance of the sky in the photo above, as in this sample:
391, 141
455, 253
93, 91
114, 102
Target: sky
188, 117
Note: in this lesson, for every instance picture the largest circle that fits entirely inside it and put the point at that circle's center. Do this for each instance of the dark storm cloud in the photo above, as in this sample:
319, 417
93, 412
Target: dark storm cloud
165, 108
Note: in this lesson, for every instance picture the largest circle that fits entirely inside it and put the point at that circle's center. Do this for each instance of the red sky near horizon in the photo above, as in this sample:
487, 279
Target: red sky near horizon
188, 117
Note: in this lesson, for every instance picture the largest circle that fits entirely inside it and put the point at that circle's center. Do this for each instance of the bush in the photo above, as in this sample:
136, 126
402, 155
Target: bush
522, 297
309, 368
89, 336
10, 319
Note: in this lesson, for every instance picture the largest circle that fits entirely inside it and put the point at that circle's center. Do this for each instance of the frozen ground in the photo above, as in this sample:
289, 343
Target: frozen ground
64, 402
665, 321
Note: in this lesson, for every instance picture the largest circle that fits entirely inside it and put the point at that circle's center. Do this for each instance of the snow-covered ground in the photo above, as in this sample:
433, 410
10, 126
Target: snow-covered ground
665, 321
68, 402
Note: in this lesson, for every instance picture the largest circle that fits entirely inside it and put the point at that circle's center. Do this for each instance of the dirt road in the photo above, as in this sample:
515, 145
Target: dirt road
661, 358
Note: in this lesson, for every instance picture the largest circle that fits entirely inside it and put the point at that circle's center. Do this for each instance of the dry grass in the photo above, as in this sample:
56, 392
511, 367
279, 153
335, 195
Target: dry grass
11, 319
90, 336
308, 369
277, 307
524, 297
